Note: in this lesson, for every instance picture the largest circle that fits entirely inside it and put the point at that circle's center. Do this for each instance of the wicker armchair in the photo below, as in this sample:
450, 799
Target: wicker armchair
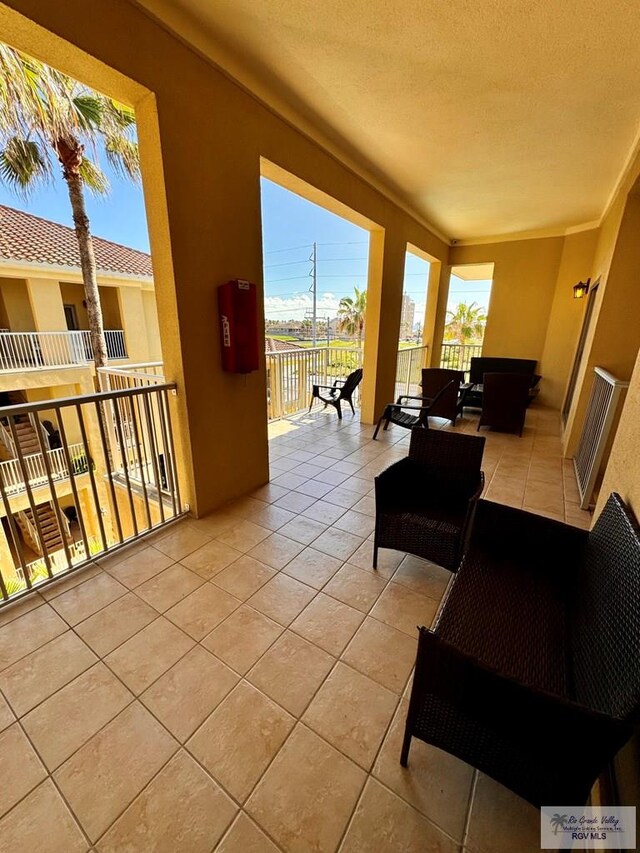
425, 503
342, 389
530, 672
505, 397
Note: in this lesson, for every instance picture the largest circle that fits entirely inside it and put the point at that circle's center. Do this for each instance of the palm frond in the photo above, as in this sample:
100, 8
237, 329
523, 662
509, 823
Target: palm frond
93, 177
120, 115
89, 110
123, 155
23, 164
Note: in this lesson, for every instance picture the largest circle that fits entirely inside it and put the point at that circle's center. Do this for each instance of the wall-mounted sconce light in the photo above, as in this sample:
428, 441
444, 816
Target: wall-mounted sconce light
581, 289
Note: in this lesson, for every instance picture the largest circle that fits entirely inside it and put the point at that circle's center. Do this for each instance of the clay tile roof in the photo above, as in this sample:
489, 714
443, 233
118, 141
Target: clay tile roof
30, 239
274, 345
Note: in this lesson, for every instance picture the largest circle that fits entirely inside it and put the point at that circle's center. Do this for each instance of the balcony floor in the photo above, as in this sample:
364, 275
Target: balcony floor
224, 687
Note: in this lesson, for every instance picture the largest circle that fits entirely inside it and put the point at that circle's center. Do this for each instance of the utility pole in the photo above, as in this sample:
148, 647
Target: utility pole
313, 289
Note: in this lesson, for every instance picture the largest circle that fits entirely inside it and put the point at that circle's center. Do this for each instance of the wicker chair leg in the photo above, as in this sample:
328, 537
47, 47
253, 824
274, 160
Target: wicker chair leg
350, 401
338, 409
377, 430
406, 746
375, 555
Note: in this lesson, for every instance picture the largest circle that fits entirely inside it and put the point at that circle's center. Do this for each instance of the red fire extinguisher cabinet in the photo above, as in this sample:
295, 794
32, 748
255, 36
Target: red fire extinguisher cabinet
238, 309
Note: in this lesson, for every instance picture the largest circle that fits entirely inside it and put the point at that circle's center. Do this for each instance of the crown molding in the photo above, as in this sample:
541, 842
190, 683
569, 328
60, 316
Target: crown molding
540, 234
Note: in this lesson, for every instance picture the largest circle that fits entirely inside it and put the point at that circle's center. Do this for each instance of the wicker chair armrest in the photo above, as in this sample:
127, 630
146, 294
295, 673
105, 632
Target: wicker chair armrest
503, 531
501, 701
396, 474
338, 382
327, 387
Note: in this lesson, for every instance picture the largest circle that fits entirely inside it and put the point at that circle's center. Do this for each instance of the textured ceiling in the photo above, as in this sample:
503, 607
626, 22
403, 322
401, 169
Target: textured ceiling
489, 117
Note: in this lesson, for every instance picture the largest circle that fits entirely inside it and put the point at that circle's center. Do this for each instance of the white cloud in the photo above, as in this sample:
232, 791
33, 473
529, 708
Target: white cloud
295, 307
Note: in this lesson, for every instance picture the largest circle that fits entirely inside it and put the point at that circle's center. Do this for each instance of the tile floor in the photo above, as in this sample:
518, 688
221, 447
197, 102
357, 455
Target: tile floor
239, 683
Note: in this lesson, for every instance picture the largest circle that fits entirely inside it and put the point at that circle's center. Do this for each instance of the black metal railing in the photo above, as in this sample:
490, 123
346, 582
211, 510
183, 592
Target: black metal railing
117, 480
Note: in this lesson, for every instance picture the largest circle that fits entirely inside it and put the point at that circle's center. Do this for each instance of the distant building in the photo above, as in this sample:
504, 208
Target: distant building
275, 345
294, 328
407, 317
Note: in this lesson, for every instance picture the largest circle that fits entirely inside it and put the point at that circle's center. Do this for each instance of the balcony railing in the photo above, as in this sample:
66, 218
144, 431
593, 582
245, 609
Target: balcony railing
131, 376
458, 356
117, 456
32, 350
37, 468
291, 374
409, 370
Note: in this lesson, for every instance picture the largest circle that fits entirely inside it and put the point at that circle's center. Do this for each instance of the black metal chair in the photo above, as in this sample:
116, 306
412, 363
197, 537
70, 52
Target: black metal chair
535, 648
400, 413
425, 503
342, 389
451, 403
505, 397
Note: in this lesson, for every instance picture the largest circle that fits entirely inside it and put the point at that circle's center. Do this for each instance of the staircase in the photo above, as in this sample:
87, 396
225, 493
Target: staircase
27, 436
48, 525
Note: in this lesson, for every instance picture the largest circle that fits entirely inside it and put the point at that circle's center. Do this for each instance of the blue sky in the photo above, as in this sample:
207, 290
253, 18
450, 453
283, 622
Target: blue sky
119, 217
290, 226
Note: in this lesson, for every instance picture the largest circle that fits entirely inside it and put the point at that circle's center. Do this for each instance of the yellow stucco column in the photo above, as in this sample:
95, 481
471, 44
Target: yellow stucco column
384, 309
432, 358
439, 314
134, 323
46, 305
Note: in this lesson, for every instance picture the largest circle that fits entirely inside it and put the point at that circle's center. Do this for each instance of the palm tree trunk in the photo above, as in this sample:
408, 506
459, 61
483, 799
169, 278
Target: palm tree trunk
87, 263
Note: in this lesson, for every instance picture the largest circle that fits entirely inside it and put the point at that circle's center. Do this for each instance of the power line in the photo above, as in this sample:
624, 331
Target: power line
286, 264
347, 243
290, 249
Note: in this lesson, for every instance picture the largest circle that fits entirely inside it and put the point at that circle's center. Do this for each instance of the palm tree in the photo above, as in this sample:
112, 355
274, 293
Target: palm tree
558, 821
466, 323
351, 314
45, 115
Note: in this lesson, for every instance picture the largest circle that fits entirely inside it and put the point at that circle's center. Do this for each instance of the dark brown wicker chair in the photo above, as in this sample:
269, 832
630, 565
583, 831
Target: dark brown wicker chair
505, 397
425, 503
342, 389
450, 404
400, 413
530, 672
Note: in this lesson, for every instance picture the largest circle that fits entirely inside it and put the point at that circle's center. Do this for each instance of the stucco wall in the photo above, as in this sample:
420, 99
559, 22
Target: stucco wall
204, 222
524, 281
566, 316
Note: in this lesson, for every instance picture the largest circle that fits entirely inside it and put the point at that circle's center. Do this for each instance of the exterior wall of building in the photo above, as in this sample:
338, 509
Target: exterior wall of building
407, 317
37, 304
524, 282
16, 311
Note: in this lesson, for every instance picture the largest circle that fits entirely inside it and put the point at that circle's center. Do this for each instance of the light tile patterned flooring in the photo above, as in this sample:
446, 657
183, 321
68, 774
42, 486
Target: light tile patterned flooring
239, 683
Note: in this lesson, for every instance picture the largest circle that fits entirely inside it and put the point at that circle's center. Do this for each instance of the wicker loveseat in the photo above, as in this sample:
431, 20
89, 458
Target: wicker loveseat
531, 670
483, 364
